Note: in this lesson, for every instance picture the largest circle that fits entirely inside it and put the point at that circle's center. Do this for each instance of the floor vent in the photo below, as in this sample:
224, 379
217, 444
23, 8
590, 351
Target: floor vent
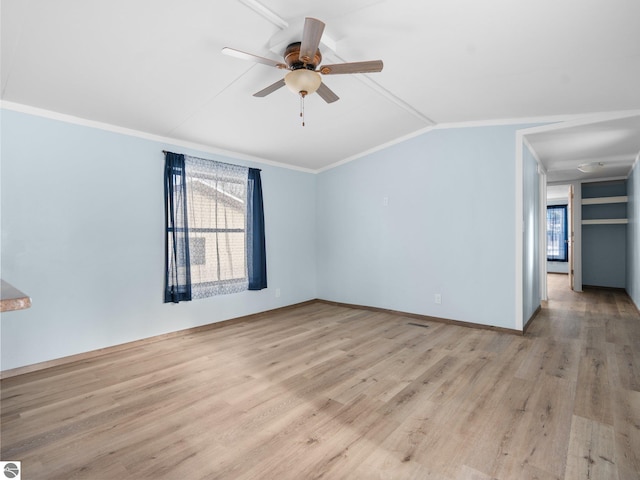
418, 325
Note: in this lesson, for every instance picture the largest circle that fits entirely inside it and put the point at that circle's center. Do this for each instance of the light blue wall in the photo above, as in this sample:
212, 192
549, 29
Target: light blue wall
558, 267
448, 227
633, 235
531, 236
83, 220
82, 234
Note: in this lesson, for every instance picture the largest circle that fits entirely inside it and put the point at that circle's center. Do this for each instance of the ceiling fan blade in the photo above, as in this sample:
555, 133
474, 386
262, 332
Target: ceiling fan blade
353, 67
270, 89
232, 52
327, 94
311, 35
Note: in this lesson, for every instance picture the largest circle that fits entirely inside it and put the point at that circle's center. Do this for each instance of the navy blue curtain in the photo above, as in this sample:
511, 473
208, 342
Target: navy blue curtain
256, 251
177, 262
177, 258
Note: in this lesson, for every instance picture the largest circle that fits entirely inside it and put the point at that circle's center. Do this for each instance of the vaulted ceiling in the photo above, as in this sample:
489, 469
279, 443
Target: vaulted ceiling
156, 66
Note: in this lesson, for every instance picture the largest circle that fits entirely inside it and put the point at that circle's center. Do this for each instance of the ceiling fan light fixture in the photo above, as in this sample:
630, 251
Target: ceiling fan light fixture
590, 167
303, 80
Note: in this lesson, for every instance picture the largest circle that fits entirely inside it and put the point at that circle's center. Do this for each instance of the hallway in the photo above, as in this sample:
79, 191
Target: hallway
593, 337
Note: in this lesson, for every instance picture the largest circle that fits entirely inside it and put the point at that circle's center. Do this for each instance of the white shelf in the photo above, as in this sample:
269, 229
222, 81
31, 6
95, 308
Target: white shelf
603, 200
606, 221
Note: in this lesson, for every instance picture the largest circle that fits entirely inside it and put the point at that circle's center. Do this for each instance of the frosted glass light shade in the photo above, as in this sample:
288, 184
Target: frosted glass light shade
303, 80
590, 167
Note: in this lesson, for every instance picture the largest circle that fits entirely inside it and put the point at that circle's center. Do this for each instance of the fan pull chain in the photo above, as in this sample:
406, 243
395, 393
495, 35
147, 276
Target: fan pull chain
302, 95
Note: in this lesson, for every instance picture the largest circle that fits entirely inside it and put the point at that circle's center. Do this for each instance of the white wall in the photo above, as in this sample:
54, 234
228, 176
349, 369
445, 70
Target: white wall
82, 234
448, 227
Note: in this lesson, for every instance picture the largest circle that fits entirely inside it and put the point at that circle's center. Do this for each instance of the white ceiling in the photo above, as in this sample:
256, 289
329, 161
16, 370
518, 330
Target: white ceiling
155, 66
614, 143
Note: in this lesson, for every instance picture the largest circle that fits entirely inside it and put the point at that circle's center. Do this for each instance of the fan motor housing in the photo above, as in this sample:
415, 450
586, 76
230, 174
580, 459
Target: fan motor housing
292, 58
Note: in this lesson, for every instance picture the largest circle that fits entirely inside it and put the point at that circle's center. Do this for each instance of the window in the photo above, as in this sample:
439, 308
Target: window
557, 241
214, 228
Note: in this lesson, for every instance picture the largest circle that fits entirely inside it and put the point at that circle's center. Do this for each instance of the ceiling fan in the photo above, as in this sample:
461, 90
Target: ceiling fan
302, 59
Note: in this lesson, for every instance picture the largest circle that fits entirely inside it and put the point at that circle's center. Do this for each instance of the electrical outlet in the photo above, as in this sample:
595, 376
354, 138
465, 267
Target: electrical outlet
437, 298
385, 201
277, 292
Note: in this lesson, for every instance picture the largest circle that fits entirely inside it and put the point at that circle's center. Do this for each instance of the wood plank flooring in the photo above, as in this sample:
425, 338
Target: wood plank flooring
324, 391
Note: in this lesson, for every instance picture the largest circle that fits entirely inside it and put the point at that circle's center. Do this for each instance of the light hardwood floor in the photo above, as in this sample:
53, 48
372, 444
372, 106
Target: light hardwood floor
323, 391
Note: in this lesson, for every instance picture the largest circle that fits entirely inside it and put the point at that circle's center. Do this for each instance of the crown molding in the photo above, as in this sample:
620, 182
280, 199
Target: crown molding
550, 123
63, 117
569, 121
377, 148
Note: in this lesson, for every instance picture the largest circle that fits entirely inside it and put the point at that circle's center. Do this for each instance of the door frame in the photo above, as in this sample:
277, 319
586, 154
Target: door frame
571, 236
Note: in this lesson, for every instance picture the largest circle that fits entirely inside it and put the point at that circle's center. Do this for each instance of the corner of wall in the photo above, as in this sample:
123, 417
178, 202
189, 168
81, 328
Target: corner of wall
633, 234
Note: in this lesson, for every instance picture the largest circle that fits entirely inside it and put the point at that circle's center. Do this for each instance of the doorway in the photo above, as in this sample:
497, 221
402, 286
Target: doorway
560, 236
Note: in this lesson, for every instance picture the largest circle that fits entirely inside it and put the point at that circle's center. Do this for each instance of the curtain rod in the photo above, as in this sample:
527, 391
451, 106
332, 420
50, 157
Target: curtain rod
226, 163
